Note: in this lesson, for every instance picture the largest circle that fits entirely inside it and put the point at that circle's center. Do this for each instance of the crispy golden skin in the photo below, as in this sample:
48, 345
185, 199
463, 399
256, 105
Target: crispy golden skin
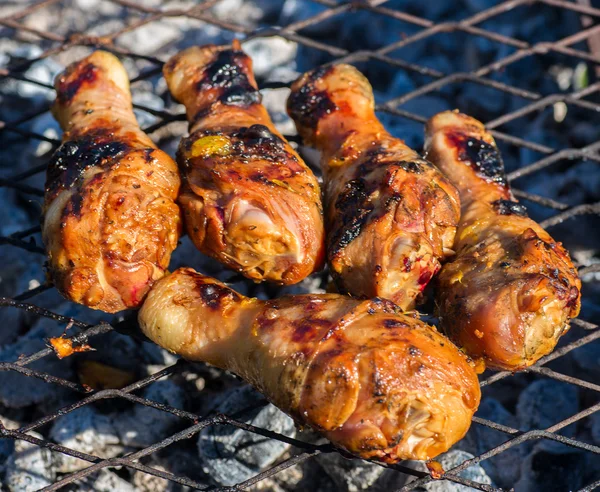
510, 291
391, 216
377, 383
248, 199
110, 221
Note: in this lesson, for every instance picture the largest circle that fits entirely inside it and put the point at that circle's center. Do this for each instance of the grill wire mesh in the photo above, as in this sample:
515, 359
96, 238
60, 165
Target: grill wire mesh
585, 332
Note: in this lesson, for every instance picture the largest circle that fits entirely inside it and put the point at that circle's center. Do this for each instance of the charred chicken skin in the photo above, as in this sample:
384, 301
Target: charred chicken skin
110, 221
248, 199
391, 216
377, 383
510, 291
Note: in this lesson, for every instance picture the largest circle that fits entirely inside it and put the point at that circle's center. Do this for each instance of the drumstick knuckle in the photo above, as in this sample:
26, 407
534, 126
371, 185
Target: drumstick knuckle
110, 221
377, 383
509, 292
249, 200
387, 209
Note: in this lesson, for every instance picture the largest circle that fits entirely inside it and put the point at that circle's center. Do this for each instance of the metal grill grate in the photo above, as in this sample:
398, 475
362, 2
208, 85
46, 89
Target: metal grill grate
139, 15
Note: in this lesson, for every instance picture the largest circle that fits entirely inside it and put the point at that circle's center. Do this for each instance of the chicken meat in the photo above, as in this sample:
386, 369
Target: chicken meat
110, 221
391, 216
380, 384
510, 291
248, 199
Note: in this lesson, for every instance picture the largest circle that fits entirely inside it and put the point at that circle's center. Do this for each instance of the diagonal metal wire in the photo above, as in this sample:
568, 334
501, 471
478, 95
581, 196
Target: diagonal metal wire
142, 15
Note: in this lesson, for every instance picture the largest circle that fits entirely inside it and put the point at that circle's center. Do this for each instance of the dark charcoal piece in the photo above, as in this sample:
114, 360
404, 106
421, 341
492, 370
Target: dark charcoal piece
231, 455
552, 472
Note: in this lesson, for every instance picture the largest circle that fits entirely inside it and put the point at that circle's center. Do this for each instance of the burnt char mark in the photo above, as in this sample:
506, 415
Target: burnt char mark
252, 143
227, 74
307, 329
414, 167
414, 351
385, 306
394, 323
257, 141
483, 157
307, 105
573, 297
214, 295
354, 208
376, 158
74, 157
72, 82
73, 207
508, 207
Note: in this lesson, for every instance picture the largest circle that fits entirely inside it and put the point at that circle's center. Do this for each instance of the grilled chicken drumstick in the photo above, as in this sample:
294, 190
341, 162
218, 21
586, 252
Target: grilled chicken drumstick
377, 383
510, 291
248, 199
391, 216
110, 221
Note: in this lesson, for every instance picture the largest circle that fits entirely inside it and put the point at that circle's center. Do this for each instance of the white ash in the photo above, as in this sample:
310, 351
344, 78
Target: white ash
296, 10
7, 446
180, 460
144, 482
231, 455
43, 71
46, 125
450, 460
29, 468
148, 39
544, 403
350, 475
170, 35
11, 7
308, 475
285, 74
104, 481
157, 357
291, 478
243, 12
275, 100
267, 53
143, 426
66, 18
504, 468
587, 257
88, 431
